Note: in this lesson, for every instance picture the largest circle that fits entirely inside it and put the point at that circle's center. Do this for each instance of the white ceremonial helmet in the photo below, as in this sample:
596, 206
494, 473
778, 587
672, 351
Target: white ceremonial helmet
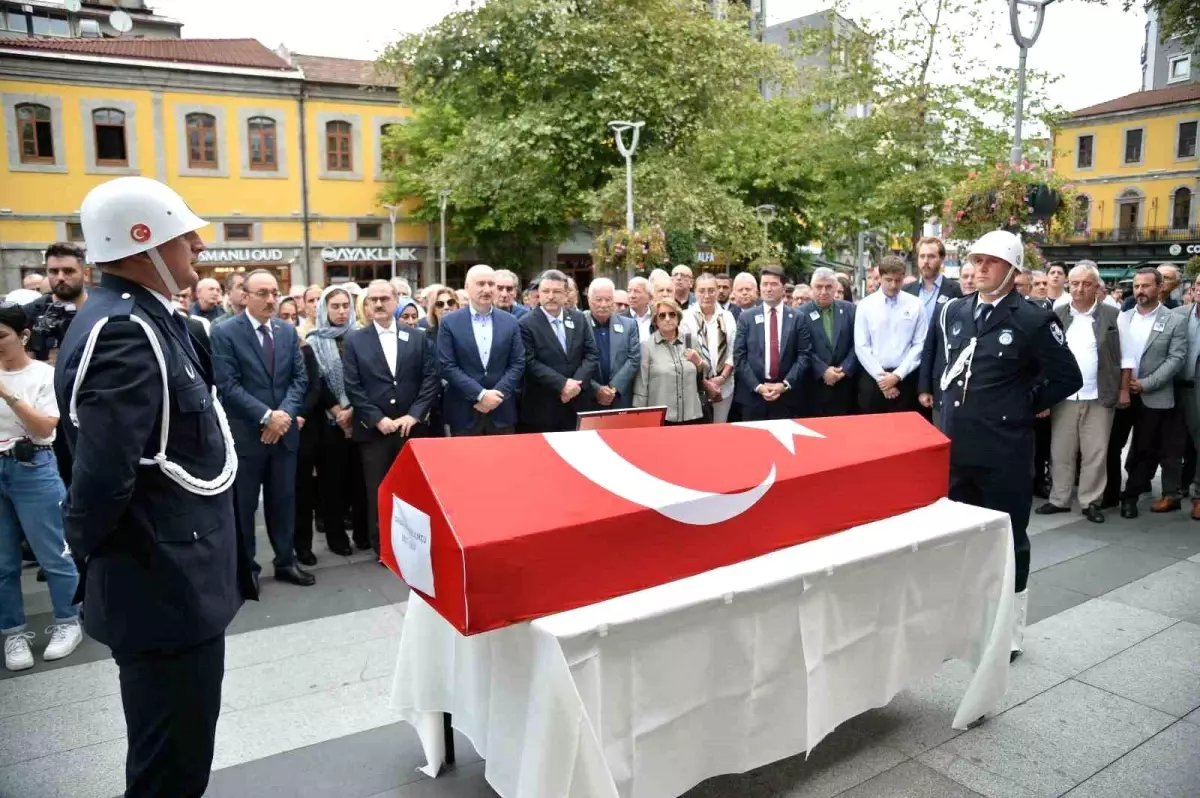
1000, 244
23, 296
128, 215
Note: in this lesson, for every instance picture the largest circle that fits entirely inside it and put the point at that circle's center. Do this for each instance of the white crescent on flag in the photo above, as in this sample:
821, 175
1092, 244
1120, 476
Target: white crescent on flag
591, 456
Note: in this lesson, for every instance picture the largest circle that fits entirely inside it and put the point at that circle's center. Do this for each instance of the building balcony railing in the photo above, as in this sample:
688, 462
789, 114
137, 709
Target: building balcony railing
1124, 235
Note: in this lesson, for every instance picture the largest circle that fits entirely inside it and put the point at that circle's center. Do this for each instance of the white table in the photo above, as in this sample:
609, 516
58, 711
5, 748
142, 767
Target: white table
646, 695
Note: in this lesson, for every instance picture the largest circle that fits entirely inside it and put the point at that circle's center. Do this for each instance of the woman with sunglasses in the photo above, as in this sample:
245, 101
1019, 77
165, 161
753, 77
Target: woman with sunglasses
338, 464
441, 302
673, 368
31, 493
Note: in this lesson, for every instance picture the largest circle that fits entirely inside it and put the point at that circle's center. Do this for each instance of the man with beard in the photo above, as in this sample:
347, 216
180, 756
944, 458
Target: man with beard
51, 313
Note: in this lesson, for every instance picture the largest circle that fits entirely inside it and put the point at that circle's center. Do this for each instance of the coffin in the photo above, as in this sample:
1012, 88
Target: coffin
497, 530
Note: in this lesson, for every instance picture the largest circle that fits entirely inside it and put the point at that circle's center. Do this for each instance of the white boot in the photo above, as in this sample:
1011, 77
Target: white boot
1020, 613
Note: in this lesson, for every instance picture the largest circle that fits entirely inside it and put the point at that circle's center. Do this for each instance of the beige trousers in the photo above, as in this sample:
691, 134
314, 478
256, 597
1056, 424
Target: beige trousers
1079, 431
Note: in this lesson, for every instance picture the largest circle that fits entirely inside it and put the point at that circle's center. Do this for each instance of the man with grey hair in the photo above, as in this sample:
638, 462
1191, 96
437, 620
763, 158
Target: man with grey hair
618, 348
640, 293
506, 293
682, 281
560, 359
744, 294
207, 304
833, 366
662, 285
1081, 424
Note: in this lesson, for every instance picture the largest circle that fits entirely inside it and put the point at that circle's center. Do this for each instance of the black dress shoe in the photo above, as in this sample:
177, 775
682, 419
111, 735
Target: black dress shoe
341, 549
1012, 656
1051, 509
1129, 510
1093, 513
295, 575
362, 545
254, 579
306, 558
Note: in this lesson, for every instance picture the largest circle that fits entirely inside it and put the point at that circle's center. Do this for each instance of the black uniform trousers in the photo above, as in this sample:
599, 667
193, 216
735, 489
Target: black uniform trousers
1041, 454
377, 458
339, 469
171, 699
1157, 439
306, 485
1121, 427
1002, 489
872, 400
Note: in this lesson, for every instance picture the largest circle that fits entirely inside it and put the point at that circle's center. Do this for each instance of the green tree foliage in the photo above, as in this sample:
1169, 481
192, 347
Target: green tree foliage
512, 99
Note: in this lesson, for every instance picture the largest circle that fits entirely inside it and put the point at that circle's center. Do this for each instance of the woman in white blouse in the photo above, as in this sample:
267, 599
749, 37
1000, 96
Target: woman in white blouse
715, 331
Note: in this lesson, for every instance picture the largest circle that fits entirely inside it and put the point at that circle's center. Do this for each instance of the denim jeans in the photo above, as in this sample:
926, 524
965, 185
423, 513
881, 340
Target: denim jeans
31, 497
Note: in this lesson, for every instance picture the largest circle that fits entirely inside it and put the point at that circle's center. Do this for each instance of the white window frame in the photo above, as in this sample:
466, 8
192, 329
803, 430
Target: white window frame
1186, 59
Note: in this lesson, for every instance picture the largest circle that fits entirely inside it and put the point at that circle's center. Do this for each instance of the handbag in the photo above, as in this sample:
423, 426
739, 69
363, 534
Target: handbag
706, 407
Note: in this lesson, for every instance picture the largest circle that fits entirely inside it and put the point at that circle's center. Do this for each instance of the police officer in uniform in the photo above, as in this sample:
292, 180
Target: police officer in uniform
150, 508
1004, 362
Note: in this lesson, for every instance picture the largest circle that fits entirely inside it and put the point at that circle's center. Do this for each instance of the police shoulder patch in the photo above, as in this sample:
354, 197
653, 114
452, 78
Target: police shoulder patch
1056, 328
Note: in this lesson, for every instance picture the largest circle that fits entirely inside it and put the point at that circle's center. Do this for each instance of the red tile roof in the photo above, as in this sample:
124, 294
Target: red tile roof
347, 71
242, 53
1188, 92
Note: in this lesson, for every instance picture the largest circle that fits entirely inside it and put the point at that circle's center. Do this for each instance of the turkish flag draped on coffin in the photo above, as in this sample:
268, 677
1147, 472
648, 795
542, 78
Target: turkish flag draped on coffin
497, 530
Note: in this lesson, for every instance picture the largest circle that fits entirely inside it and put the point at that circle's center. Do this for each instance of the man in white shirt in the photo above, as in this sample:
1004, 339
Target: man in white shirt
639, 305
1154, 345
1080, 425
1057, 290
889, 334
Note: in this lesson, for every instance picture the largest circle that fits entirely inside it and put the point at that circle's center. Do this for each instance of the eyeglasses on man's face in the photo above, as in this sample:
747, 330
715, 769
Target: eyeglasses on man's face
266, 293
380, 300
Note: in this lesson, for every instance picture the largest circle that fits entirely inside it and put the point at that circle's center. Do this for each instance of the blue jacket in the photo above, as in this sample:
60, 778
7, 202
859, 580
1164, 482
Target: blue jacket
625, 358
465, 374
749, 355
248, 390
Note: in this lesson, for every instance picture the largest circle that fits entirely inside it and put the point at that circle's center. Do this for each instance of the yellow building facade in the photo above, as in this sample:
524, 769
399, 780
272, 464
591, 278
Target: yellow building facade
1134, 161
282, 153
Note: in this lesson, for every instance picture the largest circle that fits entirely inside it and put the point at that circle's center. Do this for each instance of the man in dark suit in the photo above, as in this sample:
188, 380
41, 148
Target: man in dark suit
151, 519
481, 358
506, 293
560, 359
771, 353
263, 380
618, 349
833, 368
934, 289
391, 379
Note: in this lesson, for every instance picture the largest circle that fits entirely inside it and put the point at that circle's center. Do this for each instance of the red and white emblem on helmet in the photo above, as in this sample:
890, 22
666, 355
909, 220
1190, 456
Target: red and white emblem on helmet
140, 233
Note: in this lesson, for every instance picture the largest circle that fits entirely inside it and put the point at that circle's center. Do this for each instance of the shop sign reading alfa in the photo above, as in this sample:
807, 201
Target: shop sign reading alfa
361, 254
241, 255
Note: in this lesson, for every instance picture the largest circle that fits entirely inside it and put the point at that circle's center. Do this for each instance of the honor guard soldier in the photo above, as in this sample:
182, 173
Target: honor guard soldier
150, 509
1004, 362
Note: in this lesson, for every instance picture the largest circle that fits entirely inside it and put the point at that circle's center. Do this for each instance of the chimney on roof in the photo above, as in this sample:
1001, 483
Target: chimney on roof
283, 52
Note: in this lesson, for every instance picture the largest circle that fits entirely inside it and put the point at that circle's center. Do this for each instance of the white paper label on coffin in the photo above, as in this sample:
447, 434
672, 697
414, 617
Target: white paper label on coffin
591, 456
410, 544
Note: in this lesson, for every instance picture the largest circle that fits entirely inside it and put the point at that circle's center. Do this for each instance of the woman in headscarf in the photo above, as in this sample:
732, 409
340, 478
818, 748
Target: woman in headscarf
407, 311
338, 464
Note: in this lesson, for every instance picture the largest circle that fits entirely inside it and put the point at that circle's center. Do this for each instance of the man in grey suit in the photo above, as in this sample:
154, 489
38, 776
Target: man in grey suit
1080, 425
619, 347
1153, 347
262, 379
1186, 396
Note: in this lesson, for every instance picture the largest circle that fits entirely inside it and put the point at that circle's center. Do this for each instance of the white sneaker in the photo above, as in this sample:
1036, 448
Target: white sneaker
18, 656
64, 638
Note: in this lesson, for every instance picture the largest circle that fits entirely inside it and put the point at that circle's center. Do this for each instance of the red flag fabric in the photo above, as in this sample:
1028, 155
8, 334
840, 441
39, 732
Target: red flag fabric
497, 530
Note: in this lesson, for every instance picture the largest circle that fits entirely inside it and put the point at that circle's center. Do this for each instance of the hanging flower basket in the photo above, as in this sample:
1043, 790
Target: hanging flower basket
618, 250
1025, 198
1192, 267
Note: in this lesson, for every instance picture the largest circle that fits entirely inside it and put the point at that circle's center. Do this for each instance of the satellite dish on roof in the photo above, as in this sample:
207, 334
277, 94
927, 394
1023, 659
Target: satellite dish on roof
120, 21
73, 6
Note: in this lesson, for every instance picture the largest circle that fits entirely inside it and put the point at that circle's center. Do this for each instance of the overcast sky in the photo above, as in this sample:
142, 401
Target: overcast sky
1095, 49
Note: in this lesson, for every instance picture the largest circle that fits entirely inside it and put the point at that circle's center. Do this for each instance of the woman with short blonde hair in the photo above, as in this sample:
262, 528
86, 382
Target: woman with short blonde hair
673, 369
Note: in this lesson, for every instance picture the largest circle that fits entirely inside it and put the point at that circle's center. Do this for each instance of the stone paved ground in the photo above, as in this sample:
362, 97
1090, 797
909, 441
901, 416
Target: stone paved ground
1105, 704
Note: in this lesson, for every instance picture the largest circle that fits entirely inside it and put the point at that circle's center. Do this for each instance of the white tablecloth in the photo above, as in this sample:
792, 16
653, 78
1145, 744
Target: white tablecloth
648, 694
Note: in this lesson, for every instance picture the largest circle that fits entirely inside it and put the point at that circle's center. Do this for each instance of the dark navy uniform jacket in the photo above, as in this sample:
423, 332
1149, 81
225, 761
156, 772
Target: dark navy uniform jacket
1021, 367
162, 564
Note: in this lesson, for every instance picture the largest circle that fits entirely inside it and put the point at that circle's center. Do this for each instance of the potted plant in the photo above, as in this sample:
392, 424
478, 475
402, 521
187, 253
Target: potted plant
1024, 198
618, 250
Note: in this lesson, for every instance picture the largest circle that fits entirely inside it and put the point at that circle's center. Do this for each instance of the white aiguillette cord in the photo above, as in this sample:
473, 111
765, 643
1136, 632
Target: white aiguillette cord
175, 472
965, 357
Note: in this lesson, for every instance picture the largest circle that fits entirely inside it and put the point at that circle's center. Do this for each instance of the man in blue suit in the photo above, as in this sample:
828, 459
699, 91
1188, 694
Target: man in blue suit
391, 380
482, 359
618, 345
262, 379
833, 368
771, 353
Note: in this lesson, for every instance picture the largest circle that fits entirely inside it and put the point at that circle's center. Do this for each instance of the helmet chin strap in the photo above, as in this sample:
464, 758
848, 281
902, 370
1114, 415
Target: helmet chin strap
163, 272
1003, 287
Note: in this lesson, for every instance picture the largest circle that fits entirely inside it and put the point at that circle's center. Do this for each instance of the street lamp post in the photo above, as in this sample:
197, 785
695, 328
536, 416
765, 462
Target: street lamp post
391, 209
1024, 43
860, 269
619, 129
443, 195
766, 215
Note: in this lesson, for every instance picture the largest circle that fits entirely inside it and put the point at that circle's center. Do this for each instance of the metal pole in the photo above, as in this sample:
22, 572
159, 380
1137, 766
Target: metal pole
1024, 43
629, 192
860, 273
392, 219
443, 195
1017, 143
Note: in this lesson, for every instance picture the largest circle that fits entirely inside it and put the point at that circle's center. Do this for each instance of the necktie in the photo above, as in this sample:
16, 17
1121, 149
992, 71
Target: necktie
181, 323
985, 311
773, 347
560, 334
268, 345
